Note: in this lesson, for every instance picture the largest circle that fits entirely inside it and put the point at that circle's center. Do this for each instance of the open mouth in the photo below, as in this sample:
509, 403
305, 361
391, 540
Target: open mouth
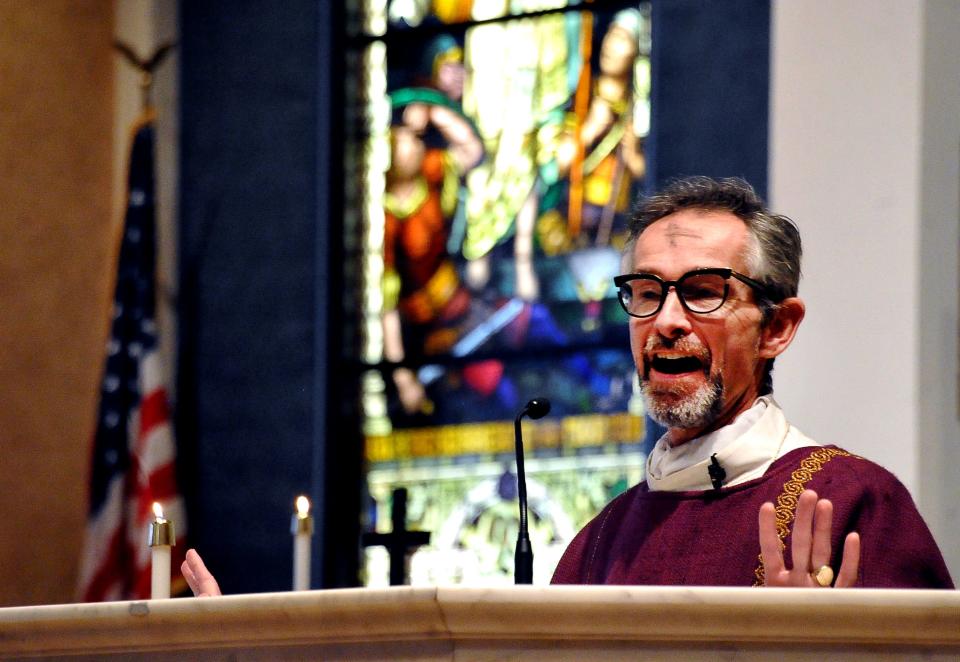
676, 365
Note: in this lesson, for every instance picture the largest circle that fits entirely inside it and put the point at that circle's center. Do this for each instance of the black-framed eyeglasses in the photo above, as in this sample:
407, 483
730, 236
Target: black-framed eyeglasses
700, 291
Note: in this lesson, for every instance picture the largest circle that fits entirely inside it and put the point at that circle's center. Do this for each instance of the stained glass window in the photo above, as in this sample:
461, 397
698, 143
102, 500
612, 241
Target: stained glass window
493, 152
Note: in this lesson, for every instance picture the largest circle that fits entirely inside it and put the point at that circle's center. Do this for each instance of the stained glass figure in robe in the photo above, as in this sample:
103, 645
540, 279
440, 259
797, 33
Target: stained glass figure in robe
514, 149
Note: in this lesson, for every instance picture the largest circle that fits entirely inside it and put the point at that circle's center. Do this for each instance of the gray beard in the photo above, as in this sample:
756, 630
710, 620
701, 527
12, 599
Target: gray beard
697, 410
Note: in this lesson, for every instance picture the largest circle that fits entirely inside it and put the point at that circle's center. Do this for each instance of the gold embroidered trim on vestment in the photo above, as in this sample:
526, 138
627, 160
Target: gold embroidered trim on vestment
786, 505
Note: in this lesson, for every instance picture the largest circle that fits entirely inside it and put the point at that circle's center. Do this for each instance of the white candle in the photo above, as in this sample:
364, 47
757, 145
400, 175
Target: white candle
160, 538
301, 526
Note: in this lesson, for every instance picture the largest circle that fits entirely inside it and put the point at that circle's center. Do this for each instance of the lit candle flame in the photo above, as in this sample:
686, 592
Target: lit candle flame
303, 506
157, 510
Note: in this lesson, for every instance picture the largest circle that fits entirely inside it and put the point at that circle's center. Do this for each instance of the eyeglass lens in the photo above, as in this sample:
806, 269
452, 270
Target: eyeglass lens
702, 293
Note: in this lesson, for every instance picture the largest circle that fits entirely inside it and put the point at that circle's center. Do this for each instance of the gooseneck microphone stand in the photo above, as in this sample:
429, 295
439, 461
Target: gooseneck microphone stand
523, 556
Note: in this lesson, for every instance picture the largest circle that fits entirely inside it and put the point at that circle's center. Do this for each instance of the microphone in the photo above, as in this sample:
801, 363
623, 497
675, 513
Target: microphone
537, 408
717, 473
523, 555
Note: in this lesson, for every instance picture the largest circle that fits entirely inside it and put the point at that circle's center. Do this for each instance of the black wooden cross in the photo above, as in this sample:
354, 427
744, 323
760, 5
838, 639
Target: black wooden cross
400, 540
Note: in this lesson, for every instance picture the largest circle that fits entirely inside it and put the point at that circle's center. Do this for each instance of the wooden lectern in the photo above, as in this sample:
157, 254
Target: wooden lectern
528, 622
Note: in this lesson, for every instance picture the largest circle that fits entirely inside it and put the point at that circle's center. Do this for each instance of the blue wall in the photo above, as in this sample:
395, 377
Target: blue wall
255, 187
711, 82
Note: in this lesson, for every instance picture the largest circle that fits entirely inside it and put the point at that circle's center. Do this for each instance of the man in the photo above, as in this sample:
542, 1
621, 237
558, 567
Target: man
712, 299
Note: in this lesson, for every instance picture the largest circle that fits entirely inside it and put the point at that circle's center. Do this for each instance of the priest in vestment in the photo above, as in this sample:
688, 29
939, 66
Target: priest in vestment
734, 494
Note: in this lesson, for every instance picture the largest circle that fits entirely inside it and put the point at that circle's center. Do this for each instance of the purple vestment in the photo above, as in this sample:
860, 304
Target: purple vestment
711, 538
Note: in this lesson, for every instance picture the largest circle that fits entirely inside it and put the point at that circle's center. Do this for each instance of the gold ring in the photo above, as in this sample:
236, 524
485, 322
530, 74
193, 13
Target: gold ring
824, 576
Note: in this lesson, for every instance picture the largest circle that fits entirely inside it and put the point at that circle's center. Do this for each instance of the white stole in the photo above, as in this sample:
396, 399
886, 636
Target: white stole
745, 449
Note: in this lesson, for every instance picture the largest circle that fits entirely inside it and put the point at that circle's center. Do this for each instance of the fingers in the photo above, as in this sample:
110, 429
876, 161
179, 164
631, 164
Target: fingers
801, 540
810, 548
822, 526
187, 570
850, 565
770, 544
201, 582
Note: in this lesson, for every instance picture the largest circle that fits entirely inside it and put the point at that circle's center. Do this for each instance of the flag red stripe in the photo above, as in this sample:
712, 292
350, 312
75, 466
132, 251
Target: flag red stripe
110, 571
153, 412
163, 482
161, 485
142, 581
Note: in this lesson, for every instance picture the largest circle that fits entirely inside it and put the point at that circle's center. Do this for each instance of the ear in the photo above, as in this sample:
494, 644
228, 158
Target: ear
777, 334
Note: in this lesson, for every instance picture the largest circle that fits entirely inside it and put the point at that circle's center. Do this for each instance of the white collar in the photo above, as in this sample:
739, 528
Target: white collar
745, 449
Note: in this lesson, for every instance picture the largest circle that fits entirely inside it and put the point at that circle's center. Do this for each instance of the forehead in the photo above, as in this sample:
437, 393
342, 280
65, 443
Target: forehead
692, 239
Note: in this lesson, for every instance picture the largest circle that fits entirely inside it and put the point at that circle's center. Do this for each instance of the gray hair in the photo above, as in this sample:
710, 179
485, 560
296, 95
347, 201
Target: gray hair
773, 254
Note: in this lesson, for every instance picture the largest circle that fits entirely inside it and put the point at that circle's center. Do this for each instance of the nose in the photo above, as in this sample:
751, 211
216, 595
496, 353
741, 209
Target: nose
672, 321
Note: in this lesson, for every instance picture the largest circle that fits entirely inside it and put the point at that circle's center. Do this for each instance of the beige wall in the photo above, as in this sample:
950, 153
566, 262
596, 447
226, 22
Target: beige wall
57, 221
865, 155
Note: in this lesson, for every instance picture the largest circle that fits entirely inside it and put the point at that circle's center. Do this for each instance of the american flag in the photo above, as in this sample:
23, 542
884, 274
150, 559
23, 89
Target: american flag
133, 452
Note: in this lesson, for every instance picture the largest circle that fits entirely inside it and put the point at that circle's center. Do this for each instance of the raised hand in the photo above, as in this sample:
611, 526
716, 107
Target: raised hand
199, 579
810, 547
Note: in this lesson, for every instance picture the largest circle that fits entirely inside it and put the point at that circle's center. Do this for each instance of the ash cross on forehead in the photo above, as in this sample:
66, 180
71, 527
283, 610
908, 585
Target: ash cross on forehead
675, 231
